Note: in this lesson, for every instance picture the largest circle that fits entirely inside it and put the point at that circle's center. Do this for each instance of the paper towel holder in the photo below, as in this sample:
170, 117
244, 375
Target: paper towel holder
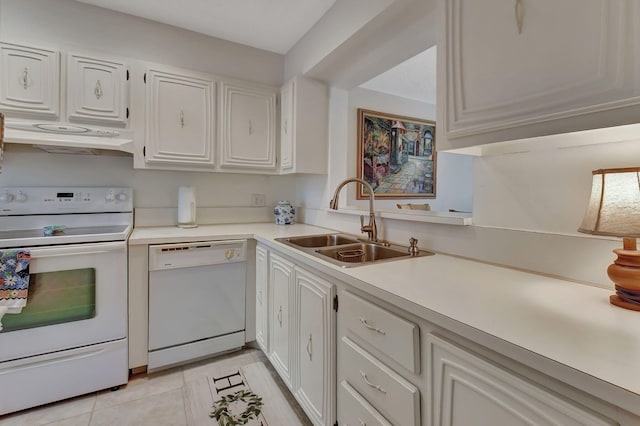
187, 207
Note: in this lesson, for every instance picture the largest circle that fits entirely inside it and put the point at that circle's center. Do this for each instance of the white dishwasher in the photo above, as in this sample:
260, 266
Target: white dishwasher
196, 300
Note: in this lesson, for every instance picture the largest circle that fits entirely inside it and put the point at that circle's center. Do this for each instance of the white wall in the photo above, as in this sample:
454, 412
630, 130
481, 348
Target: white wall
454, 172
66, 24
152, 188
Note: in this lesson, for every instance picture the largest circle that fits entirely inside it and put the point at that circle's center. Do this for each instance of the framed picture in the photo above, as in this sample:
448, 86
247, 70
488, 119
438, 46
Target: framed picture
396, 155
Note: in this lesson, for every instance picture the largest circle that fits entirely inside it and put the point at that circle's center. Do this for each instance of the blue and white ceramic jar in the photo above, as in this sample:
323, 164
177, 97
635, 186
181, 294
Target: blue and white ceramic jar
285, 213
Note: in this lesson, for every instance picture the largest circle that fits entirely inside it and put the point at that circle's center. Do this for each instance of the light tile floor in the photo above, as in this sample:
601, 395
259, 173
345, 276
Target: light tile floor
155, 399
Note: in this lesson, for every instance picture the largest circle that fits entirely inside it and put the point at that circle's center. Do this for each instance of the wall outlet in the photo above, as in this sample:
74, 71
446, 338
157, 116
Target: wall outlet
257, 200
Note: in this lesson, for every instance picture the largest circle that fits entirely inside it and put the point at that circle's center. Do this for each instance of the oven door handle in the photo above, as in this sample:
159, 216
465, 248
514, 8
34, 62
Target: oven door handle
80, 250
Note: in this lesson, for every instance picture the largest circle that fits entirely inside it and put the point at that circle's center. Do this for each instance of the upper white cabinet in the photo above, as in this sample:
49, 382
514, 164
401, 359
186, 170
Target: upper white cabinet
30, 82
247, 126
518, 69
179, 117
97, 90
304, 112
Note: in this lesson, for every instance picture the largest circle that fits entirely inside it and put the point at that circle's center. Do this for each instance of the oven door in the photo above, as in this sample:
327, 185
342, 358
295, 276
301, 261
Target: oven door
77, 297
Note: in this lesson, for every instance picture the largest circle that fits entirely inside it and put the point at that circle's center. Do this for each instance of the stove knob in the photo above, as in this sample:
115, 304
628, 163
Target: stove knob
7, 197
121, 196
22, 197
110, 196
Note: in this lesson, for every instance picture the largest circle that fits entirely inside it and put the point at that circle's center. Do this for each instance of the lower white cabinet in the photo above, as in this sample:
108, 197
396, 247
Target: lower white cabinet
295, 328
315, 344
262, 298
467, 390
281, 316
372, 363
355, 410
378, 363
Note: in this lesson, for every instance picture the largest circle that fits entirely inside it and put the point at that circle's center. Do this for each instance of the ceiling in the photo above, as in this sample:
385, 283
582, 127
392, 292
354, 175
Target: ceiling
275, 26
415, 78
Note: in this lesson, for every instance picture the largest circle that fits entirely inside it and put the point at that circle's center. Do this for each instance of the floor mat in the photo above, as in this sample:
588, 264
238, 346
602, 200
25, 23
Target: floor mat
240, 395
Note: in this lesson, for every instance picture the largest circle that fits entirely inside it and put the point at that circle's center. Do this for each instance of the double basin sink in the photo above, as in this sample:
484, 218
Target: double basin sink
347, 251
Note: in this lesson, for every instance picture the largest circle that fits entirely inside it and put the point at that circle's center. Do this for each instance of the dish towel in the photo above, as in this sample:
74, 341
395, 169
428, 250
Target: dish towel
14, 279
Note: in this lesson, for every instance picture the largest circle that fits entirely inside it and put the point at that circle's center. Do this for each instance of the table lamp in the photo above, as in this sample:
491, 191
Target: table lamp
614, 210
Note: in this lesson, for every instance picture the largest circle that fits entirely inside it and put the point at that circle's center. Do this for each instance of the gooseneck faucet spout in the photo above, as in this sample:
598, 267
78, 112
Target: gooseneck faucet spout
371, 228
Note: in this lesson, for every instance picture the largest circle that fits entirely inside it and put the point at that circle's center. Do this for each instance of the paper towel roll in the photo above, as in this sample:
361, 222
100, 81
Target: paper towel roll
187, 207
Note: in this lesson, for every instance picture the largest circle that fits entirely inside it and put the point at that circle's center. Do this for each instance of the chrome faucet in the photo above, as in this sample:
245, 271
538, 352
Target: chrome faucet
371, 229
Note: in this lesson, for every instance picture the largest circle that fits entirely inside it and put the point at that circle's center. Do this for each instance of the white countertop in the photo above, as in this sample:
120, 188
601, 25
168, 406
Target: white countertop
562, 322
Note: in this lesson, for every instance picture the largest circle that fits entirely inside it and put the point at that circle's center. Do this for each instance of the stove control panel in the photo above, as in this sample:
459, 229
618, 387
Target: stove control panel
51, 200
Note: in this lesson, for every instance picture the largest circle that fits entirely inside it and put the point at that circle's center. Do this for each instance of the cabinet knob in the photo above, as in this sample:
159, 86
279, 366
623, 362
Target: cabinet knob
7, 197
98, 90
25, 78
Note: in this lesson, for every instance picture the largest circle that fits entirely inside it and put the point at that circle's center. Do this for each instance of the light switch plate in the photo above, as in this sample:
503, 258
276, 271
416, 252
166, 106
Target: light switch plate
257, 200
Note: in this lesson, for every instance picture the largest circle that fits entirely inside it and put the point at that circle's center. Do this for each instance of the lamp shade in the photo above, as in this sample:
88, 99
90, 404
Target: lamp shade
614, 206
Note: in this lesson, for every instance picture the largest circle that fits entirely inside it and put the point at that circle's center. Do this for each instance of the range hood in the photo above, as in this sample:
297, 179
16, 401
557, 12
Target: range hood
68, 136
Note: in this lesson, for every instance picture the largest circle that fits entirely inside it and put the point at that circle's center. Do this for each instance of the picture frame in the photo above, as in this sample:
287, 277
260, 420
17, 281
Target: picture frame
396, 155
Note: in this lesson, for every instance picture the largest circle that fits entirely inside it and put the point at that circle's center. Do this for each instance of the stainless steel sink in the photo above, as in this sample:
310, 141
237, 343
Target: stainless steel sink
324, 240
363, 252
347, 251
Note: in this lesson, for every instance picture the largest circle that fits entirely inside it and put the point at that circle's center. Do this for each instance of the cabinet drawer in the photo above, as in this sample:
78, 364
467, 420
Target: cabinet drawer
356, 410
395, 397
388, 333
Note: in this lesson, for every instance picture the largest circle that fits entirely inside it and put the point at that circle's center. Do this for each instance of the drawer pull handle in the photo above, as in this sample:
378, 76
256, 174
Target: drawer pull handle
373, 385
280, 316
309, 347
260, 297
370, 327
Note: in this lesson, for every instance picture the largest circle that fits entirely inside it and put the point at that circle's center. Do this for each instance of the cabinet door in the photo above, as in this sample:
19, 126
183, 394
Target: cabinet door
281, 316
315, 347
287, 124
248, 127
96, 90
179, 122
468, 390
304, 126
262, 298
30, 80
508, 65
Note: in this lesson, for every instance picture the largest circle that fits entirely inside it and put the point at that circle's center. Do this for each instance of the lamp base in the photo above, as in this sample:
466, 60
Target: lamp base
614, 299
625, 273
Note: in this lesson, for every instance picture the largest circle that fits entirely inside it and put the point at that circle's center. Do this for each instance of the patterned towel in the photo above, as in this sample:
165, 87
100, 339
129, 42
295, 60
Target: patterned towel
14, 279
